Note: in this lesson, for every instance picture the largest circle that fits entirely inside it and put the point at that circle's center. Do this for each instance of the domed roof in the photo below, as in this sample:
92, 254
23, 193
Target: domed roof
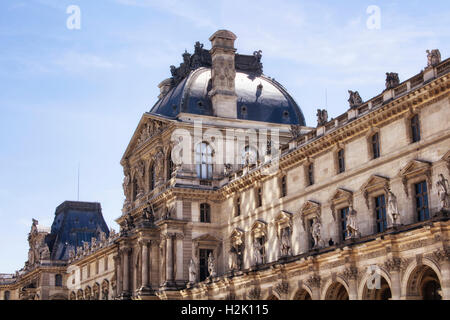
258, 98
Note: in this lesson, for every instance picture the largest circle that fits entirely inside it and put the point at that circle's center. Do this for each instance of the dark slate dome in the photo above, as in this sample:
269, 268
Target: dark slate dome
259, 98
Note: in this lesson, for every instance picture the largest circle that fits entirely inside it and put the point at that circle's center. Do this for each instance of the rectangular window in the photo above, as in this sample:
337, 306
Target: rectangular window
258, 197
376, 146
343, 217
415, 128
341, 161
421, 195
203, 261
380, 213
238, 206
310, 174
283, 187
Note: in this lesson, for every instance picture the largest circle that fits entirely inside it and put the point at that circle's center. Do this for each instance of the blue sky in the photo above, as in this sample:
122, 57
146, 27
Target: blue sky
70, 97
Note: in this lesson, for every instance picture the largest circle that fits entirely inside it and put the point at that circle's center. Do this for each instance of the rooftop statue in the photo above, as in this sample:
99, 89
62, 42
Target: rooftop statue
355, 99
433, 57
392, 80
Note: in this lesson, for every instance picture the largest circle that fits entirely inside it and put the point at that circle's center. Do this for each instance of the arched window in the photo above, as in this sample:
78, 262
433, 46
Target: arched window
205, 212
203, 160
58, 280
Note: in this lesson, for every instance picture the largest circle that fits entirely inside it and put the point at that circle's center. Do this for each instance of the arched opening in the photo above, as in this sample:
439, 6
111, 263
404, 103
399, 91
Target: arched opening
381, 292
336, 291
302, 294
424, 284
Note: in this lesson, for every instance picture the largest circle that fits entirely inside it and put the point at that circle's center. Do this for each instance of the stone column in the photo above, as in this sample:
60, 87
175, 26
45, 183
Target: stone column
126, 274
169, 257
179, 257
145, 259
351, 274
117, 265
445, 275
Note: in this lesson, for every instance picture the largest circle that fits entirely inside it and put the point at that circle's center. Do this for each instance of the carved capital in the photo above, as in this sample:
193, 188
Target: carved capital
442, 254
254, 294
282, 288
395, 264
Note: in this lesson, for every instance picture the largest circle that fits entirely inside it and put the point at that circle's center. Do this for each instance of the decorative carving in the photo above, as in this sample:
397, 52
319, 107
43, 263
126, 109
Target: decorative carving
296, 131
254, 294
148, 213
433, 57
192, 272
211, 265
237, 249
258, 250
442, 254
282, 288
395, 264
322, 117
355, 99
316, 232
285, 242
352, 224
443, 193
350, 273
227, 169
392, 80
392, 207
313, 281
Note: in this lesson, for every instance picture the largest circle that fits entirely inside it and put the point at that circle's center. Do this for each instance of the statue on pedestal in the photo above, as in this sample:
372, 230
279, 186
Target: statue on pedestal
352, 226
315, 232
392, 207
211, 265
443, 192
192, 272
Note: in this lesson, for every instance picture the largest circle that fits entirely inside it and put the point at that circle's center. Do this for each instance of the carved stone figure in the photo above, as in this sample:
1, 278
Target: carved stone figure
126, 183
85, 247
315, 232
295, 130
128, 223
34, 226
443, 192
236, 252
102, 236
433, 57
149, 214
285, 242
392, 80
355, 99
392, 207
159, 166
352, 226
211, 265
257, 251
71, 254
192, 272
45, 252
322, 117
227, 169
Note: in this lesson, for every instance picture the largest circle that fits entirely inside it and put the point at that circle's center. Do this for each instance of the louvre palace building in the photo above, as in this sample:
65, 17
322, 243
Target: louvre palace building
229, 194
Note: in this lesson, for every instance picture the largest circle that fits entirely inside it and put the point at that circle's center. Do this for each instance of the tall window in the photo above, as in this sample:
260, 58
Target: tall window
7, 295
380, 213
376, 146
310, 174
203, 160
238, 206
421, 194
169, 165
205, 212
203, 261
341, 161
58, 280
343, 214
283, 186
258, 197
415, 128
106, 263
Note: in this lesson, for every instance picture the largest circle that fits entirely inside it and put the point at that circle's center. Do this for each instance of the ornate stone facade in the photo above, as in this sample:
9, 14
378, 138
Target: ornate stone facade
366, 228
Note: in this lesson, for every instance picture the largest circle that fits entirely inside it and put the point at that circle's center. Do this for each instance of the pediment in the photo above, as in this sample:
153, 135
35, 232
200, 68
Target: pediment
206, 238
341, 194
150, 126
446, 156
375, 182
310, 206
259, 228
283, 216
415, 167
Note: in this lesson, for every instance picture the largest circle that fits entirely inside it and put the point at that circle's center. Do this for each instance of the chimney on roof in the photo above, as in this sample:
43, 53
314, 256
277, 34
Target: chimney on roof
223, 73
